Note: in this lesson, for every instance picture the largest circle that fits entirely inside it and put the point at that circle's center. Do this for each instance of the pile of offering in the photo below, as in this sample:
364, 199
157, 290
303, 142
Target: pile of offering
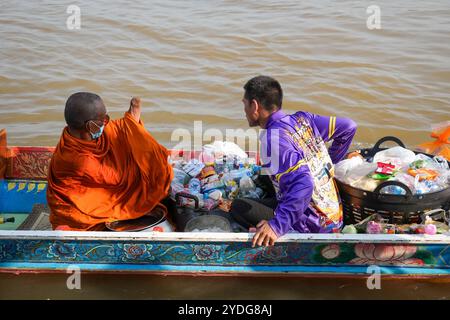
221, 173
420, 173
375, 224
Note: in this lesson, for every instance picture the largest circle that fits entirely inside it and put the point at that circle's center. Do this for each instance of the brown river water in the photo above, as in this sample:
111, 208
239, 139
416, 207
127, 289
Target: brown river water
188, 60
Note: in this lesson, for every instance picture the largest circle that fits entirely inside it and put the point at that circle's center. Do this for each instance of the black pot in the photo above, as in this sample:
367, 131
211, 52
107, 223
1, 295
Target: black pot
184, 214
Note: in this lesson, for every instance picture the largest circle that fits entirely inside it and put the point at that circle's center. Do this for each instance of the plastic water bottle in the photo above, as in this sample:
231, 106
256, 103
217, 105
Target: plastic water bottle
193, 168
239, 174
175, 188
256, 194
396, 190
195, 186
180, 176
246, 185
256, 169
219, 165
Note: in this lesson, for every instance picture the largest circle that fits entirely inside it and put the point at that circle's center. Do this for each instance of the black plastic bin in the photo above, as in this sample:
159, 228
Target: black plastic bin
399, 209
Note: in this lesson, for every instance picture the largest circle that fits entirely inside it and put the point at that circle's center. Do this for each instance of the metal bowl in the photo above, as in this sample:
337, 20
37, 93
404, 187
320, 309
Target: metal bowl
208, 222
139, 224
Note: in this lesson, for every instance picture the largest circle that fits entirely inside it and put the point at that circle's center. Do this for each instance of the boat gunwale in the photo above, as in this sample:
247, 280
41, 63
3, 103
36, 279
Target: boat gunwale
221, 237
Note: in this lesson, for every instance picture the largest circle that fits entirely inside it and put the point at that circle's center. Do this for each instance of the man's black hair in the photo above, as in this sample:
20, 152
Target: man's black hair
266, 90
81, 107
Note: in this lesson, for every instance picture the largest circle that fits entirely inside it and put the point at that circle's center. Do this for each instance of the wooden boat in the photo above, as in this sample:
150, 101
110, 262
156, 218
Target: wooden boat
175, 253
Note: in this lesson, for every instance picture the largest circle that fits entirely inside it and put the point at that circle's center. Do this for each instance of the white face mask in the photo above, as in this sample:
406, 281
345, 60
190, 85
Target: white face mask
99, 133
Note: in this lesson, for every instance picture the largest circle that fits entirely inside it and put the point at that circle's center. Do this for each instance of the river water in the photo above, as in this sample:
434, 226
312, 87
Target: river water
188, 60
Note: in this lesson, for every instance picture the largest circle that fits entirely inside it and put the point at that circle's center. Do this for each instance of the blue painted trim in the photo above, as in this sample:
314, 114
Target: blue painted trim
238, 269
20, 195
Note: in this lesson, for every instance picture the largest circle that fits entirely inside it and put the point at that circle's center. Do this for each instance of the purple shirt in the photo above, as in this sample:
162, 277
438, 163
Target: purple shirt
286, 163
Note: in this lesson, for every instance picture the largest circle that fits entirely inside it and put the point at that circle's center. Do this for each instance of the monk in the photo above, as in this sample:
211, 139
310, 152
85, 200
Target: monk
105, 170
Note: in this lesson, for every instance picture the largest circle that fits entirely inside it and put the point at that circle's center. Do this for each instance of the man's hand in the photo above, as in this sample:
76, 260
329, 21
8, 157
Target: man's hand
264, 235
135, 108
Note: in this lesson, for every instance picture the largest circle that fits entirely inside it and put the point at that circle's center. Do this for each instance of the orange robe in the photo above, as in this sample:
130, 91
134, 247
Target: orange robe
122, 175
3, 153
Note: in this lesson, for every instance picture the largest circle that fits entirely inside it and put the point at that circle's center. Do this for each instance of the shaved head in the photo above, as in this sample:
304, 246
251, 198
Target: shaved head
82, 107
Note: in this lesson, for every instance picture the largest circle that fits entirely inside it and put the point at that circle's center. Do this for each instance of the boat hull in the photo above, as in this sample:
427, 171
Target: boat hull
205, 254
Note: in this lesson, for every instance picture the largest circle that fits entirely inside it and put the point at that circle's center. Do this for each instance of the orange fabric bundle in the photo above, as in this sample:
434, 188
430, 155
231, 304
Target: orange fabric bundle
122, 175
441, 146
3, 153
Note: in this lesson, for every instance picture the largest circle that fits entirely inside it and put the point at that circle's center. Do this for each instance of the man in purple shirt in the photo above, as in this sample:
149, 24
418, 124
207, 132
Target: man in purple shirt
294, 155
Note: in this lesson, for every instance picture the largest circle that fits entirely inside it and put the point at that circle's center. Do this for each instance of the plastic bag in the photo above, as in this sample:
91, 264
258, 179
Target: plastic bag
224, 148
342, 168
366, 184
358, 178
428, 186
422, 160
207, 155
398, 156
359, 172
431, 174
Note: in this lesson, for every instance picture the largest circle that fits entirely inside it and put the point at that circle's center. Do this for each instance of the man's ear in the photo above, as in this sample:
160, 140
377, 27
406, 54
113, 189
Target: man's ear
87, 126
254, 106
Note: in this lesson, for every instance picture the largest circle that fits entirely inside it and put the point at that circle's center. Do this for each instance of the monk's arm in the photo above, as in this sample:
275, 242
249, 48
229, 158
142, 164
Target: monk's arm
135, 108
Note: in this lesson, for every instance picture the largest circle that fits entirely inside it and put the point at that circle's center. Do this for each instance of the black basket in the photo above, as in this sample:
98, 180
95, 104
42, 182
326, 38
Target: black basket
398, 209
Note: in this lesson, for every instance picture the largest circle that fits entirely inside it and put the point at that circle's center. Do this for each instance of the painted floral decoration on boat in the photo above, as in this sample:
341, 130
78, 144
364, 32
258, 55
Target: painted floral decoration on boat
29, 163
383, 254
9, 250
274, 253
137, 251
373, 254
331, 251
206, 252
61, 250
101, 251
3, 252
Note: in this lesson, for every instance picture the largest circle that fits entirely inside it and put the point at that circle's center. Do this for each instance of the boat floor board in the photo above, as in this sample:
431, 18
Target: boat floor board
19, 219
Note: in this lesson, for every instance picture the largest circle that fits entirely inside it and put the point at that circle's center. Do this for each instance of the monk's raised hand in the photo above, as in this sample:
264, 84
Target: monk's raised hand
135, 108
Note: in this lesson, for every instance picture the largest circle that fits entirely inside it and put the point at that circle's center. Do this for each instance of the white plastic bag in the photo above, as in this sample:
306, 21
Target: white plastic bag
344, 167
227, 148
358, 177
359, 172
438, 164
366, 183
398, 156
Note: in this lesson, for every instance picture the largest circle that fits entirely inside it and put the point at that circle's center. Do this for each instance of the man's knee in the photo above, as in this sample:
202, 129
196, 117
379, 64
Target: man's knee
239, 207
239, 211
